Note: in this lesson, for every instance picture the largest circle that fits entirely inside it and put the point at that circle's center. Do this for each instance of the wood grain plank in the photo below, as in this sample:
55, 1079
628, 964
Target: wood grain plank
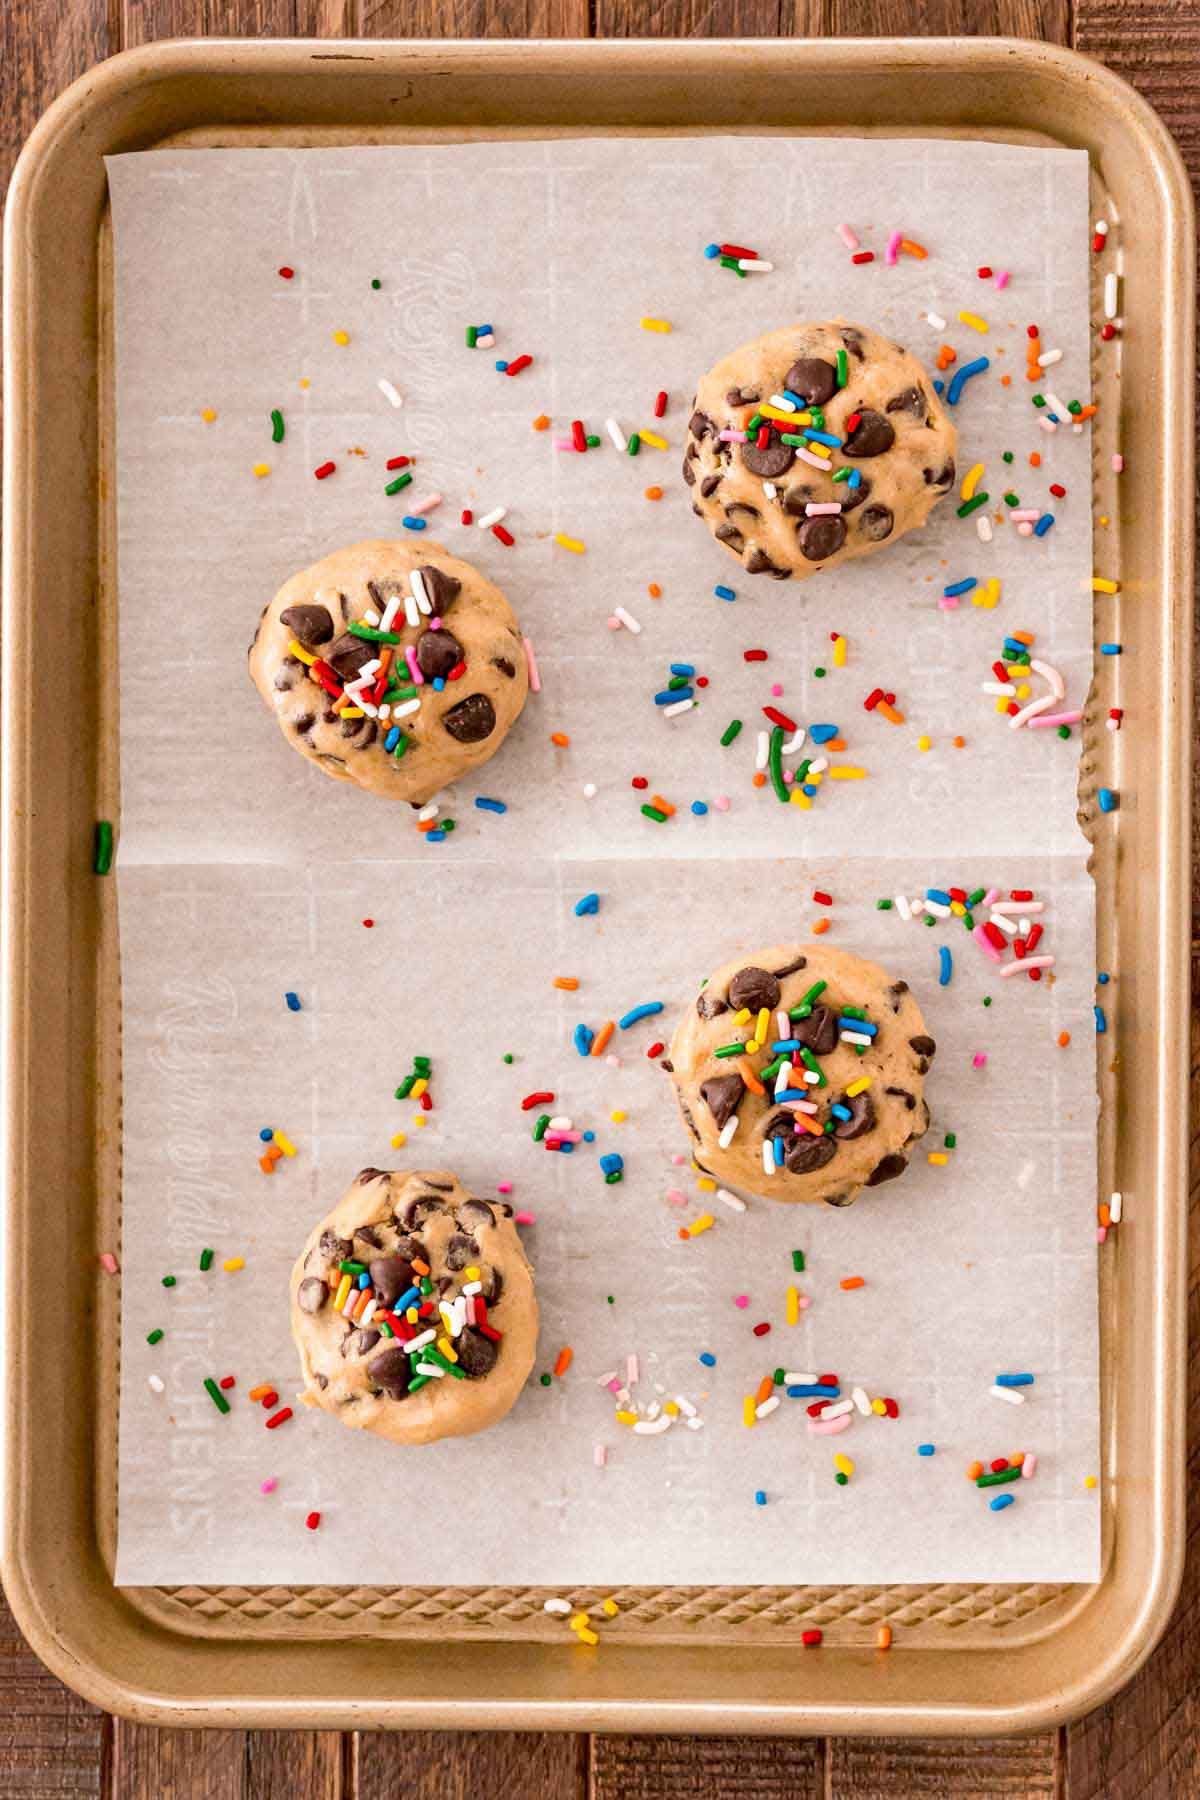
678, 1768
475, 18
455, 1765
298, 1765
1048, 19
148, 1764
44, 45
149, 21
970, 1769
51, 1741
692, 18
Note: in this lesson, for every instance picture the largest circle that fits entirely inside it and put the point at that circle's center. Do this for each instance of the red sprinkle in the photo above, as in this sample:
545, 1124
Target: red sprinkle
660, 404
458, 671
763, 438
1032, 331
828, 1380
702, 681
983, 272
812, 1639
959, 894
313, 1520
489, 1331
286, 272
655, 1050
578, 434
874, 697
467, 515
1020, 893
506, 537
1034, 974
737, 250
369, 924
761, 1330
279, 1418
517, 364
817, 1408
325, 470
1034, 938
398, 462
891, 1408
821, 898
270, 1399
993, 934
853, 421
999, 671
754, 656
426, 1102
532, 1100
1057, 490
226, 1381
1000, 1463
1099, 239
1108, 332
863, 256
639, 782
777, 718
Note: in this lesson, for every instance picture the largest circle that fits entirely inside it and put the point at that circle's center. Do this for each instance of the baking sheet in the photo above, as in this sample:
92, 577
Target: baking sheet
244, 874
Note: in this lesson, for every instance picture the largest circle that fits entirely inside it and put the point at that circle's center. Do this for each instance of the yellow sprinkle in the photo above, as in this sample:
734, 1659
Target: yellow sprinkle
305, 382
399, 1141
261, 469
748, 1409
762, 1024
877, 1406
700, 1224
740, 1017
447, 1349
971, 481
285, 1144
580, 1619
839, 652
618, 1118
843, 1465
656, 325
1103, 519
232, 1264
586, 1635
671, 1408
420, 1120
785, 418
958, 909
1002, 706
411, 1315
208, 415
1101, 585
973, 320
418, 1088
796, 798
820, 450
841, 772
938, 1156
858, 1087
295, 649
471, 1273
652, 438
793, 1306
814, 778
987, 593
566, 543
707, 1185
627, 1418
1089, 1481
343, 337
351, 712
1023, 691
610, 1607
343, 1293
924, 743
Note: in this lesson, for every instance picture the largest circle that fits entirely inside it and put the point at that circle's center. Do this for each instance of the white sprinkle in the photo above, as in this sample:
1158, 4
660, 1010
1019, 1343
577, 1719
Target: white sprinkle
1110, 294
1047, 360
918, 905
589, 790
389, 393
599, 1458
556, 1606
1051, 674
655, 1427
782, 402
419, 1342
811, 1077
679, 706
695, 1424
856, 1037
936, 907
1017, 906
783, 1025
385, 709
1014, 1396
727, 1131
156, 1383
561, 1124
936, 320
389, 612
770, 490
767, 1408
768, 1156
629, 623
983, 526
794, 743
420, 593
818, 766
756, 264
730, 1200
1057, 406
685, 1406
472, 1287
902, 907
631, 1369
799, 1378
486, 341
1114, 1209
653, 1410
1030, 711
1006, 925
371, 617
616, 434
997, 687
434, 1369
367, 670
837, 1410
405, 708
784, 1077
862, 1401
764, 745
412, 614
429, 811
1101, 227
493, 518
368, 1311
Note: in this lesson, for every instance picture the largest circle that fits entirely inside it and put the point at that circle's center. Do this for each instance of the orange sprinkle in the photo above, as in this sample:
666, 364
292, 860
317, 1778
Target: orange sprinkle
542, 422
1085, 412
974, 1471
654, 590
602, 1036
958, 742
749, 1077
427, 824
836, 744
1033, 373
683, 1233
256, 1393
654, 493
820, 927
267, 1164
561, 738
662, 805
806, 1124
422, 1268
1006, 381
911, 249
883, 1638
1104, 1213
946, 356
563, 1360
567, 982
852, 1281
889, 712
764, 1390
273, 1152
1014, 1462
1025, 637
759, 779
1064, 1038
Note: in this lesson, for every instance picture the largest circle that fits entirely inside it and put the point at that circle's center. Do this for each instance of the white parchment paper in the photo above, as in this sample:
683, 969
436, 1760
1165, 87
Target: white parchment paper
244, 874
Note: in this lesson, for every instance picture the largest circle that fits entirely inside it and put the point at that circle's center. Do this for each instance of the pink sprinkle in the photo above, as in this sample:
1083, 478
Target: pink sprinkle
948, 602
822, 509
1003, 279
675, 1197
435, 624
599, 1455
979, 1060
893, 248
269, 1486
613, 1386
1118, 463
504, 1187
631, 1370
777, 688
426, 506
535, 680
1065, 718
722, 802
109, 1263
612, 1061
525, 1218
814, 462
678, 1158
414, 667
847, 236
805, 1301
1020, 514
1024, 530
985, 943
1025, 963
1029, 1465
613, 623
732, 437
741, 1299
993, 893
1101, 1233
563, 444
831, 1427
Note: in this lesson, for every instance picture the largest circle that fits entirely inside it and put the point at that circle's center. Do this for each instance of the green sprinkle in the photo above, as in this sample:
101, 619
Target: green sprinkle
634, 444
843, 370
206, 1257
215, 1395
883, 906
405, 1088
446, 824
611, 1300
539, 1130
154, 1337
419, 1381
996, 1478
819, 673
775, 764
401, 747
451, 1368
818, 418
386, 1328
591, 441
810, 1062
545, 1380
987, 999
968, 920
612, 1179
730, 262
798, 1261
1064, 731
972, 505
951, 1140
802, 770
402, 480
841, 1478
472, 334
652, 812
729, 1049
853, 1012
777, 1378
814, 993
372, 636
793, 437
930, 921
168, 1281
276, 426
1006, 456
350, 1267
102, 847
730, 732
507, 1057
1039, 399
375, 282
1012, 499
677, 681
772, 1069
422, 1064
976, 897
1074, 406
840, 474
754, 423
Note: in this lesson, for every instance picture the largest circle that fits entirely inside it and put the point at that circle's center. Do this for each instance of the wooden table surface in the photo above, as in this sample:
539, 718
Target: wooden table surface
1144, 1745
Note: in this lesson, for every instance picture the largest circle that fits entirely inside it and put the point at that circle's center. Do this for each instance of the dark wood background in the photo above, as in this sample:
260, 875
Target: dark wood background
1145, 1745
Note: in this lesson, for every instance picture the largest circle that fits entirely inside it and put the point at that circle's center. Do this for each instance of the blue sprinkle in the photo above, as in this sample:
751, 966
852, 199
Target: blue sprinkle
959, 587
821, 734
760, 1499
267, 1133
839, 1112
809, 788
392, 738
612, 1163
589, 904
855, 478
785, 1046
1017, 648
485, 805
924, 1449
1110, 649
863, 1025
1043, 525
712, 251
791, 1094
364, 1280
777, 1151
939, 387
646, 1011
683, 668
809, 1390
1103, 979
822, 437
484, 329
938, 894
947, 966
500, 367
412, 523
1014, 1381
589, 1137
724, 593
293, 1002
798, 399
1101, 1021
699, 807
566, 1147
439, 683
1108, 799
708, 1359
670, 695
1001, 1501
412, 1297
961, 377
583, 1039
435, 837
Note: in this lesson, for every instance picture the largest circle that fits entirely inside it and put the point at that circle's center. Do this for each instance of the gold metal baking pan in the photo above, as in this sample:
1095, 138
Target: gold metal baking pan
968, 1659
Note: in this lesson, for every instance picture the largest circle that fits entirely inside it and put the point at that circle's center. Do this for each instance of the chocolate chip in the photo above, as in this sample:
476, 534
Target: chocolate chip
287, 674
853, 340
472, 720
759, 563
819, 1032
476, 1353
821, 537
668, 1065
303, 723
909, 400
701, 426
505, 667
493, 1285
312, 1295
410, 1248
333, 1248
381, 593
335, 762
688, 1120
775, 459
872, 436
729, 534
391, 1370
896, 994
441, 1187
322, 1381
839, 1199
902, 1094
416, 1211
944, 477
461, 1250
437, 653
797, 498
740, 506
876, 523
755, 988
710, 1006
365, 1176
442, 589
813, 379
352, 727
689, 474
924, 1046
367, 1234
359, 1342
710, 484
391, 1276
852, 497
474, 1213
892, 1165
312, 625
348, 654
792, 968
803, 1151
861, 1108
721, 1094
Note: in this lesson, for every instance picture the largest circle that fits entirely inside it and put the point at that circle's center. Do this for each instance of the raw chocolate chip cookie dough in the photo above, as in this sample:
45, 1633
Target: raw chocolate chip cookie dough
396, 667
799, 1072
441, 1339
847, 447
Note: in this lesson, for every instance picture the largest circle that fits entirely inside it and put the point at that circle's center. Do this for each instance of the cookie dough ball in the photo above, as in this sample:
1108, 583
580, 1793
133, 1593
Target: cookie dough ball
452, 656
885, 430
457, 1365
798, 1113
